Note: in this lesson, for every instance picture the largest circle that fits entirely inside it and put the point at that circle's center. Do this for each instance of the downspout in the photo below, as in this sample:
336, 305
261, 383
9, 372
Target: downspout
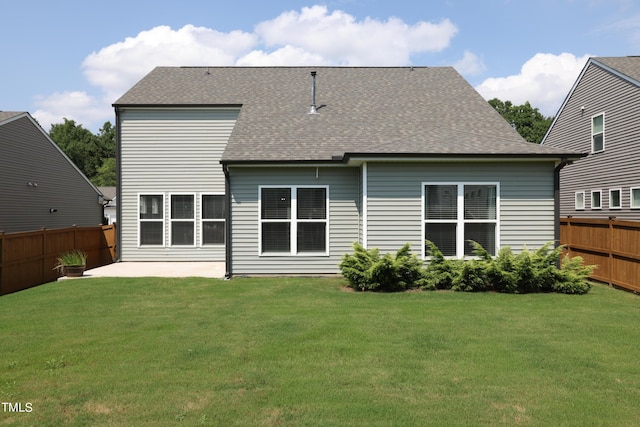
118, 188
227, 225
556, 199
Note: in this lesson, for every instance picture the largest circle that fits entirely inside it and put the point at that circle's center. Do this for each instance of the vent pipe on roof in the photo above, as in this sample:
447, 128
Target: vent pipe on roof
314, 110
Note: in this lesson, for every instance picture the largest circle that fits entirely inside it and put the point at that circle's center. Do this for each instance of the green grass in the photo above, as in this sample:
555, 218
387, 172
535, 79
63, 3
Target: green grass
155, 352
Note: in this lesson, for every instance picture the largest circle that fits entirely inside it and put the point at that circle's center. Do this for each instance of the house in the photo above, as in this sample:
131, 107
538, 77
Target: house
601, 116
39, 185
110, 204
279, 170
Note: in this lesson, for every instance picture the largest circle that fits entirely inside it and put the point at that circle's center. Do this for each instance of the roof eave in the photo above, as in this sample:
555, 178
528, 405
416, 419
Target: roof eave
356, 158
173, 106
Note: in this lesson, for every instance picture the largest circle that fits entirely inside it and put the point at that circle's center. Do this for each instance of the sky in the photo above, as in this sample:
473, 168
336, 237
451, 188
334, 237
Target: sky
74, 58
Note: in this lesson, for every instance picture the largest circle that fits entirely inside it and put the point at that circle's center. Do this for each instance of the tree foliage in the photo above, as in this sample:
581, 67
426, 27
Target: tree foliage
528, 121
93, 154
543, 270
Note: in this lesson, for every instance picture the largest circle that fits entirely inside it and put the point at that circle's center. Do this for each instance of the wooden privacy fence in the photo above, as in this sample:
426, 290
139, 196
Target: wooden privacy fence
27, 259
614, 246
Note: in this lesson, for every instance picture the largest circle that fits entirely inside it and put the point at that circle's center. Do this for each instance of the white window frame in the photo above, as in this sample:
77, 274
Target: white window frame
205, 220
599, 192
593, 150
460, 221
162, 220
611, 190
579, 206
631, 190
171, 220
293, 222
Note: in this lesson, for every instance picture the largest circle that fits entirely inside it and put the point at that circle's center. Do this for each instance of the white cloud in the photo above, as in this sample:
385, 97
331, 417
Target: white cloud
313, 36
77, 105
469, 64
340, 39
117, 67
544, 81
286, 56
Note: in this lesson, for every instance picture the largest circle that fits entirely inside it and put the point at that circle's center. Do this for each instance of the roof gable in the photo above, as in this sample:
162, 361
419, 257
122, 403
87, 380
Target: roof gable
37, 136
393, 111
625, 67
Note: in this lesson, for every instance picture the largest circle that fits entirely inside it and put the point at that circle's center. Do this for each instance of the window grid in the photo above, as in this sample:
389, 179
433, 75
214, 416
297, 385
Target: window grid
596, 199
473, 210
597, 133
634, 195
615, 198
579, 200
212, 219
183, 219
151, 219
296, 226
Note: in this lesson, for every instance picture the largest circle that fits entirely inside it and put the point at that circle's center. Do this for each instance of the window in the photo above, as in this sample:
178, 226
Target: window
151, 219
615, 198
293, 220
597, 133
213, 219
183, 222
456, 213
635, 198
579, 201
596, 199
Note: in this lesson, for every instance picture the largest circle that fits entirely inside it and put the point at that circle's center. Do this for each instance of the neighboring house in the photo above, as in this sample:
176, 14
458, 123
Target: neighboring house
110, 204
281, 169
601, 116
39, 185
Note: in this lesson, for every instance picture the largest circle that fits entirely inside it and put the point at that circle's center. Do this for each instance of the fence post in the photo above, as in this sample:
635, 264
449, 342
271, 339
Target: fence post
569, 236
43, 253
611, 231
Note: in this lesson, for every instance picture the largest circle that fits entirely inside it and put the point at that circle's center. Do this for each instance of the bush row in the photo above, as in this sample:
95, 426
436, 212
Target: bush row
542, 270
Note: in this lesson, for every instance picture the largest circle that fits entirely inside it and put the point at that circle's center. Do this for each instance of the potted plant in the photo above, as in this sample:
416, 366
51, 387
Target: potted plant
72, 263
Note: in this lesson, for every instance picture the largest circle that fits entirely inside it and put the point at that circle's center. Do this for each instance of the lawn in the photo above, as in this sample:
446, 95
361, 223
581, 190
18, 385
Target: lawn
291, 351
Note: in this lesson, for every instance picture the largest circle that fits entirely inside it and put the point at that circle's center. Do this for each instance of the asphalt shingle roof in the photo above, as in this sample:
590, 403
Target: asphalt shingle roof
381, 111
627, 65
6, 115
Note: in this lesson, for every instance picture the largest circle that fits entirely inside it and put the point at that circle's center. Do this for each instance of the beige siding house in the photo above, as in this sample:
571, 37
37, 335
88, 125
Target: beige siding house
279, 170
601, 117
39, 185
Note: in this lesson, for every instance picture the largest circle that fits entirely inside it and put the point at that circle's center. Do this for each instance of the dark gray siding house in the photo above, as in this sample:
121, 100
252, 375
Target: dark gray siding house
279, 170
39, 185
601, 116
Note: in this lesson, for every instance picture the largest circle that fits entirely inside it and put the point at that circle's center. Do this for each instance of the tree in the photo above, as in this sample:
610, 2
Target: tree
107, 140
79, 144
93, 154
106, 175
528, 121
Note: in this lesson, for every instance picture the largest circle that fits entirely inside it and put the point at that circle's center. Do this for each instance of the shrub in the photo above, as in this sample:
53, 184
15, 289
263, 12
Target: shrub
472, 277
502, 272
572, 276
356, 268
366, 270
538, 271
440, 272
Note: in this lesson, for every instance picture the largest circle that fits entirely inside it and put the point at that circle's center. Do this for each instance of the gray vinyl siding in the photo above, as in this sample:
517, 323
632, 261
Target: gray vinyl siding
170, 151
599, 91
395, 200
344, 212
27, 155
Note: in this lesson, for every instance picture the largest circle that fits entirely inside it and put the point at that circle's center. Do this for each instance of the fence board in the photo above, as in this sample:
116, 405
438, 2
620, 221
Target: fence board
27, 259
614, 246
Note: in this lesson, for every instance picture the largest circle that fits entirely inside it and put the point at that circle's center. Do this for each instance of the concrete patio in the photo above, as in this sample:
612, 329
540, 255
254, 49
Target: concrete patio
159, 269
